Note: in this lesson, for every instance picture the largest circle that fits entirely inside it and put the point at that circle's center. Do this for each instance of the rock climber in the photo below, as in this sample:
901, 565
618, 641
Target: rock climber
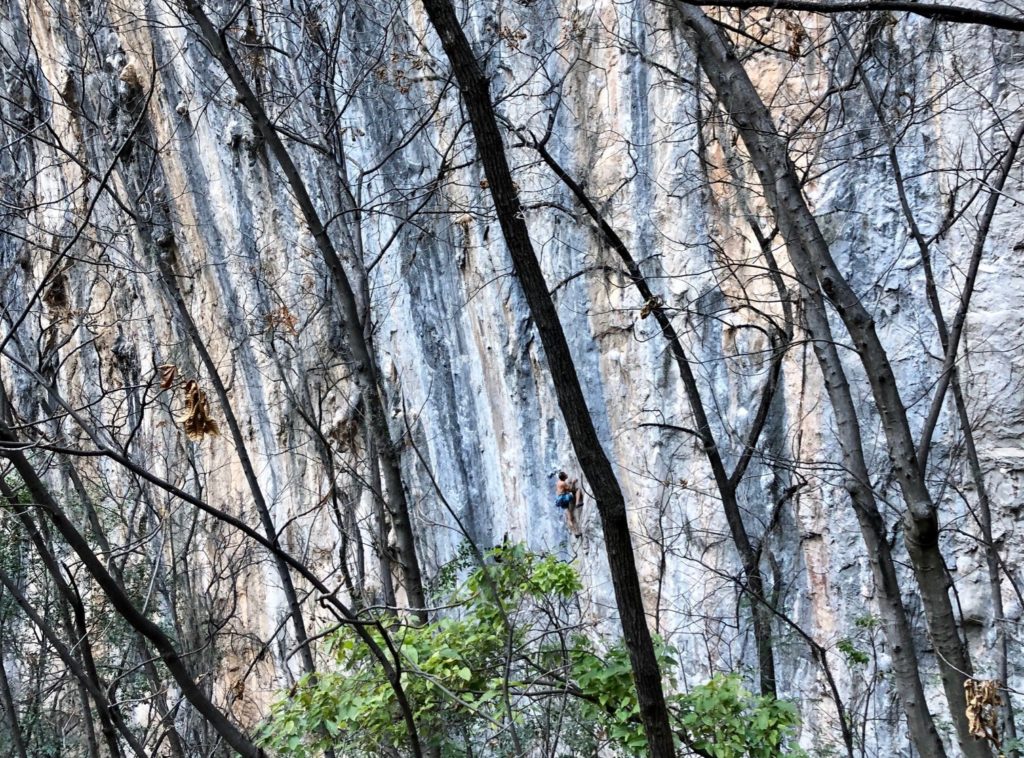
569, 497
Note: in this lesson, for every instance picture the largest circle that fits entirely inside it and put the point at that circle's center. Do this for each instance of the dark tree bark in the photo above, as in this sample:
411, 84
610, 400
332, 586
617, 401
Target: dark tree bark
9, 706
814, 267
597, 468
935, 11
80, 660
145, 658
11, 448
122, 604
726, 483
147, 227
366, 374
248, 470
949, 378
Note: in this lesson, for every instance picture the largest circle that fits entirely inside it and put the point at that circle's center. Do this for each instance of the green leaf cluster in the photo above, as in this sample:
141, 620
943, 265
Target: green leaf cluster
719, 718
724, 720
854, 655
511, 657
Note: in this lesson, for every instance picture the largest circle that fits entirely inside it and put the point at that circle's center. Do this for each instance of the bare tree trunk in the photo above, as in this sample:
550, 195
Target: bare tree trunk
259, 501
813, 264
937, 11
87, 675
9, 706
950, 376
895, 622
83, 669
366, 374
951, 339
328, 117
121, 603
174, 739
727, 484
63, 652
81, 631
380, 524
11, 447
165, 263
596, 467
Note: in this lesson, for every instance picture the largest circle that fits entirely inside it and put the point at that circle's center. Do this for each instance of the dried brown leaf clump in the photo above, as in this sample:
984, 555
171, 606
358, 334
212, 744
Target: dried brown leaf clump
284, 320
650, 306
196, 420
983, 703
167, 373
130, 76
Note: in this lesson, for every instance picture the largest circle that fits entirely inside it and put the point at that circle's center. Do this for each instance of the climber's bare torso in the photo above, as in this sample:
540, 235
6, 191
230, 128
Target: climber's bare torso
569, 497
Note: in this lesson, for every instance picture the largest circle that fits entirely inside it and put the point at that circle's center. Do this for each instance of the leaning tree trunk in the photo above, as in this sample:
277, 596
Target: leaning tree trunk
121, 603
367, 377
608, 495
727, 484
814, 265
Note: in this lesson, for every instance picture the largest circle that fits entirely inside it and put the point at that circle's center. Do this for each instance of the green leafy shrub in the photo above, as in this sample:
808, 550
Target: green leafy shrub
511, 659
725, 720
719, 718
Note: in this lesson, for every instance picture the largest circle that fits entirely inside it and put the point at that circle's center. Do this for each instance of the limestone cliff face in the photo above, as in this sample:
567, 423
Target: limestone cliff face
126, 156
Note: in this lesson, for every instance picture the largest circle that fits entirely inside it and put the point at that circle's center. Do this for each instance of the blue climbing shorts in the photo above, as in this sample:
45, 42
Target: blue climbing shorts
565, 500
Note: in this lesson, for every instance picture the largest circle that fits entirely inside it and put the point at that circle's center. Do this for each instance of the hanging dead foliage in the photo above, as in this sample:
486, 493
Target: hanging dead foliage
196, 421
283, 319
167, 373
983, 703
650, 306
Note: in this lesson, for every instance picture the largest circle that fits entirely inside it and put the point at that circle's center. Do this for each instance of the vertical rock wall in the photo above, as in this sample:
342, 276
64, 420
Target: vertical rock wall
124, 95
